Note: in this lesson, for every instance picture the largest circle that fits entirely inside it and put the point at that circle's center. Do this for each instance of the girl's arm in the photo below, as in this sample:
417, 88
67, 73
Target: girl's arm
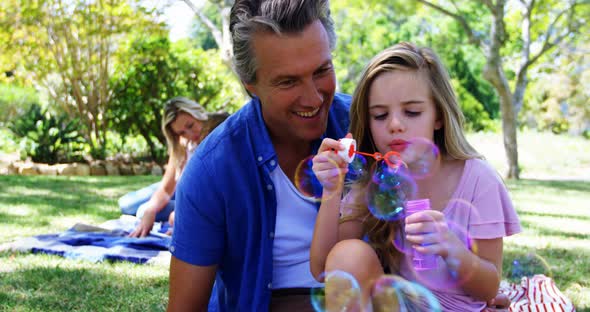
328, 231
325, 232
330, 169
162, 195
489, 269
479, 272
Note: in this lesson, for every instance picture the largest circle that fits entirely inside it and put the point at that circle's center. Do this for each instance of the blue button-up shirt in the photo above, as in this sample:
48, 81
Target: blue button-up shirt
226, 205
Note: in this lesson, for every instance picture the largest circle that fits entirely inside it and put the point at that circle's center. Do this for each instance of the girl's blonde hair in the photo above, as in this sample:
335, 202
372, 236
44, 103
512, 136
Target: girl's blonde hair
449, 138
172, 109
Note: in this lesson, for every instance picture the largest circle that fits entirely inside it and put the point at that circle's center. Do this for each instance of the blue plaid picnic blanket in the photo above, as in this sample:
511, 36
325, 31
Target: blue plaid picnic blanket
106, 242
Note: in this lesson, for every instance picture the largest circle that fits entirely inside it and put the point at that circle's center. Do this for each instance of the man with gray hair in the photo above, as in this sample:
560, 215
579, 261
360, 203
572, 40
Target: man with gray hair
240, 222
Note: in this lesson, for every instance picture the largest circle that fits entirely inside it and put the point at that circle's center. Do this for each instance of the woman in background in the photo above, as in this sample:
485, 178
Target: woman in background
185, 124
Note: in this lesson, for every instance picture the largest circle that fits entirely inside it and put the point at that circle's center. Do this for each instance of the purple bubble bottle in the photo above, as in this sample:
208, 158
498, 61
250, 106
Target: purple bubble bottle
420, 261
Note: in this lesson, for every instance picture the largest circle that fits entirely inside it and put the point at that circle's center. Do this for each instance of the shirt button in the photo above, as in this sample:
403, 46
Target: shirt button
259, 158
269, 285
272, 162
271, 234
269, 187
172, 248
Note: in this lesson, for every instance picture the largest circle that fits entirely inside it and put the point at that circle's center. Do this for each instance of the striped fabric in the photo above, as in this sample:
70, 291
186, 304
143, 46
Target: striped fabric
537, 293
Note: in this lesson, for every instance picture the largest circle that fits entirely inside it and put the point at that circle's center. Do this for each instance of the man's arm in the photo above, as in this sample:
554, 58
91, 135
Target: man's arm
190, 286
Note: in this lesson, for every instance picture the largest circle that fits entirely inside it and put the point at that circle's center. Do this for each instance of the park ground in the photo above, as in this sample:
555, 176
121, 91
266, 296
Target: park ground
552, 199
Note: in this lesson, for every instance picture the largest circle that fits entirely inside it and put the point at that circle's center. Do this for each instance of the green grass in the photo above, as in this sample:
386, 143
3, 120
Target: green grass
555, 216
541, 155
34, 282
552, 201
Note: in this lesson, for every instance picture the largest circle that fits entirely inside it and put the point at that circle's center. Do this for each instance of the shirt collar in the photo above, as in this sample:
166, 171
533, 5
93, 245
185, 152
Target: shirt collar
263, 148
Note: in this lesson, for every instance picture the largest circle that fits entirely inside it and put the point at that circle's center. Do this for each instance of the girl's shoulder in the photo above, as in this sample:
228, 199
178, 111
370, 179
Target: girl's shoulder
482, 171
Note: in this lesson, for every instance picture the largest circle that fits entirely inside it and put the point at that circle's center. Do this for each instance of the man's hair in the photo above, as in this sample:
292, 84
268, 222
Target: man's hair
278, 16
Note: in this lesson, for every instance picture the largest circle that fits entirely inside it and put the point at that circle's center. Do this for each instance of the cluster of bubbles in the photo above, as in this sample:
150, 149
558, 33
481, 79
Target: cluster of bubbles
342, 293
389, 293
392, 180
308, 184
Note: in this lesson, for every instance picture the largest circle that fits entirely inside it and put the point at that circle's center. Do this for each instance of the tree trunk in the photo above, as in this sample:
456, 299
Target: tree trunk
494, 74
510, 138
145, 134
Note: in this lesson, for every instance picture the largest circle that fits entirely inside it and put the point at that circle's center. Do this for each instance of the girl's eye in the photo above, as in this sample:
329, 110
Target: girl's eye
189, 126
413, 114
380, 117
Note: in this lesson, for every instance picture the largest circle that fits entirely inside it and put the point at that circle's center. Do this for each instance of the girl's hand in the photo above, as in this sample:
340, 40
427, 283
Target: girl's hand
328, 166
429, 233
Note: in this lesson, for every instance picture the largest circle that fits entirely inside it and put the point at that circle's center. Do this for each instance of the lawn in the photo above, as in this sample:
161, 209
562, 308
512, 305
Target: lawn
552, 200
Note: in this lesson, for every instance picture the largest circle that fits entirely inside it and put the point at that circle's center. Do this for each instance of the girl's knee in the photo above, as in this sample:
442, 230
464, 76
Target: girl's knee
342, 251
357, 258
353, 256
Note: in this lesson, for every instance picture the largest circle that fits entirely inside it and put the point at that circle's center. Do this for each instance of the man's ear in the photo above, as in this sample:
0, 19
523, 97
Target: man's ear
250, 88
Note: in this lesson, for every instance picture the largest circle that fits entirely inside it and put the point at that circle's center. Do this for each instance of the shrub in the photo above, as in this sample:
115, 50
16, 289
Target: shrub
8, 143
476, 117
48, 138
15, 100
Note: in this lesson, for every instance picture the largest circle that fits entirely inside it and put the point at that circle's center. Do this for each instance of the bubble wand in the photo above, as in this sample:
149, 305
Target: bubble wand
392, 158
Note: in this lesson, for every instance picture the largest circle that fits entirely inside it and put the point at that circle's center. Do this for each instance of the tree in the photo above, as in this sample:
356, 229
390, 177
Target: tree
359, 41
150, 71
67, 47
560, 92
219, 27
540, 26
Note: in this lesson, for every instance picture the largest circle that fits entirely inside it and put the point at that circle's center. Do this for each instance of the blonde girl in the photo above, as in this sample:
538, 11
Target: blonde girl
405, 94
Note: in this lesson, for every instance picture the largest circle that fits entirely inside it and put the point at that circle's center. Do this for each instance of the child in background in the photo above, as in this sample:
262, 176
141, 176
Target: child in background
405, 94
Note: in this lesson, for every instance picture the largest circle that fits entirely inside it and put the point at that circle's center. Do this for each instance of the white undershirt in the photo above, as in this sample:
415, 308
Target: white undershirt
296, 215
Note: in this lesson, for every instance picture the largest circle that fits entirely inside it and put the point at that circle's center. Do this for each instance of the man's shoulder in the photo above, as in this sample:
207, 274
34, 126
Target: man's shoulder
342, 100
339, 119
224, 138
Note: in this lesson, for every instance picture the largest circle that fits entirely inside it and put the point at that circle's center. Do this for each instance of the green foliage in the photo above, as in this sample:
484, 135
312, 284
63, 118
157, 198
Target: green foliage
134, 146
47, 138
140, 87
15, 100
558, 97
66, 47
8, 142
200, 34
202, 76
366, 28
476, 117
465, 65
151, 70
363, 29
